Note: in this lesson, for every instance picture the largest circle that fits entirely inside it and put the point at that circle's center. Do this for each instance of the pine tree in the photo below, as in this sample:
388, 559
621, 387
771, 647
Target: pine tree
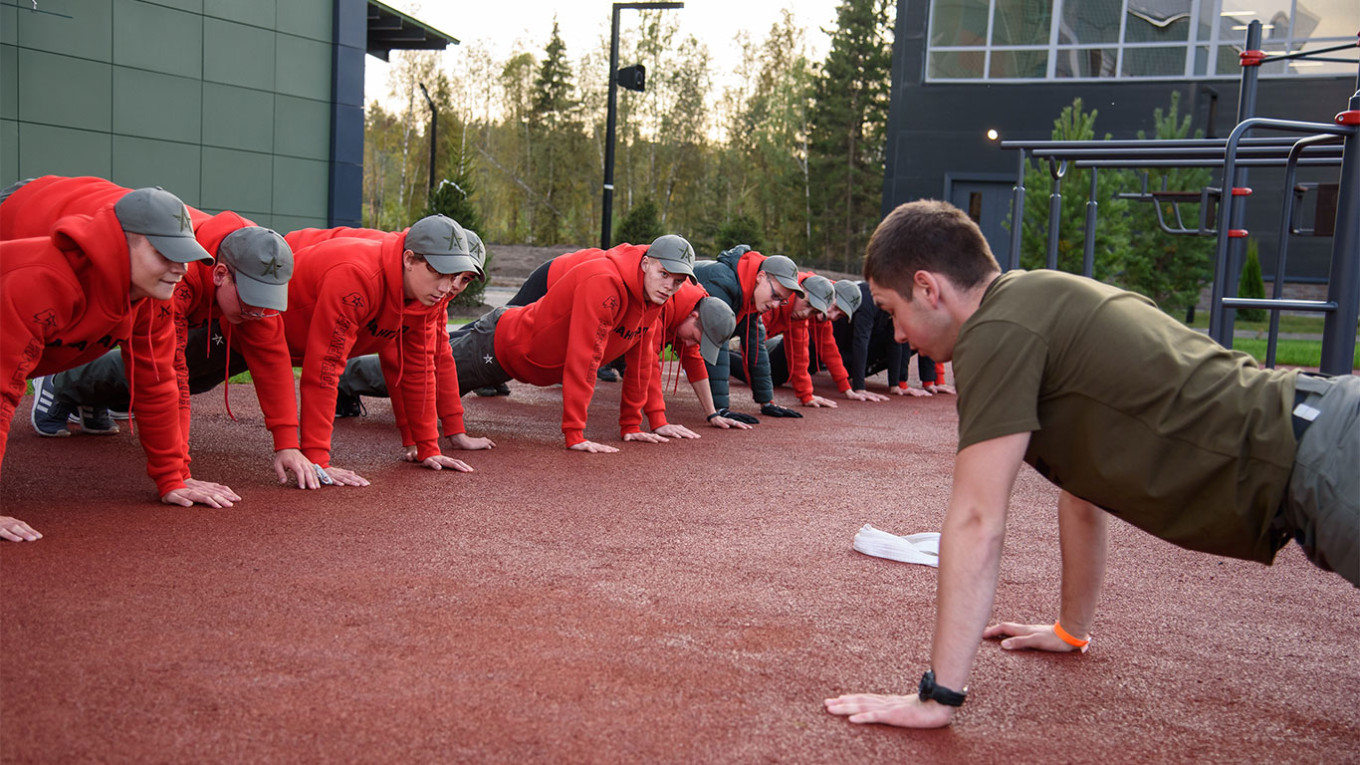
1169, 268
849, 122
1112, 223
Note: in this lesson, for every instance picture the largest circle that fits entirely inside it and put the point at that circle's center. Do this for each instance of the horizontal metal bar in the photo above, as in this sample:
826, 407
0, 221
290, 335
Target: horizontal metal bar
1320, 306
1254, 162
1255, 152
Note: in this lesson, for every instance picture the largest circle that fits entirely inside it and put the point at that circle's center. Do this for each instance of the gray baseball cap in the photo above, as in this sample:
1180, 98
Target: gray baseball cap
443, 243
784, 271
477, 250
717, 323
819, 292
675, 254
261, 263
161, 217
848, 296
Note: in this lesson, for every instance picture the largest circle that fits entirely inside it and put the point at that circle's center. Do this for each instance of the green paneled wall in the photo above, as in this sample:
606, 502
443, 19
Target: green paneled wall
224, 102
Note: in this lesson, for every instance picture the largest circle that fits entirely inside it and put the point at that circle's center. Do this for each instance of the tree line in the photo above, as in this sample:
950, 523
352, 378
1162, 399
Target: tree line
788, 159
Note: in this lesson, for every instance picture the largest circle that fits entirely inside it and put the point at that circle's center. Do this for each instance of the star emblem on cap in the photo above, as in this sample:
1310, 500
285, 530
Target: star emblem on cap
273, 268
185, 222
453, 237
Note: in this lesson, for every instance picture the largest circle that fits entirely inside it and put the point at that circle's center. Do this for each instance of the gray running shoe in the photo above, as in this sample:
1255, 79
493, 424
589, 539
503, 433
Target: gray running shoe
49, 415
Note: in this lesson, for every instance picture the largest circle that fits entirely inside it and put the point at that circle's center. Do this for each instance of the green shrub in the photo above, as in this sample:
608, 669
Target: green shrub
1250, 284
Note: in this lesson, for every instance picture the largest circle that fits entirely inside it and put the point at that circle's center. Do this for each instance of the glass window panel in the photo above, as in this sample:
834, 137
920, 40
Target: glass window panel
1236, 14
1202, 61
956, 23
956, 64
1019, 64
1154, 62
1090, 21
1022, 22
1229, 61
1085, 62
1326, 18
1157, 21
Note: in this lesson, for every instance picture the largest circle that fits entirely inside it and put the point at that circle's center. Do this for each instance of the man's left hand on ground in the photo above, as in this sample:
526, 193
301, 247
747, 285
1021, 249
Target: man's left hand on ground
864, 395
291, 460
775, 410
441, 462
902, 711
672, 430
646, 438
1034, 637
468, 443
818, 401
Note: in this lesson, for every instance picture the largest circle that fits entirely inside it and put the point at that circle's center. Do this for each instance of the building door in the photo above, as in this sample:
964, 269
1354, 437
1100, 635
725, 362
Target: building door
988, 203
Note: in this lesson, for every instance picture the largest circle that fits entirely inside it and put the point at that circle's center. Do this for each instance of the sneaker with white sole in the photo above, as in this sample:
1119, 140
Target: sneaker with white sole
49, 415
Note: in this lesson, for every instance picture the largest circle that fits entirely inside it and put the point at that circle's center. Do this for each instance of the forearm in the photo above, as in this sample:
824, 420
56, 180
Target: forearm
970, 555
705, 395
1084, 540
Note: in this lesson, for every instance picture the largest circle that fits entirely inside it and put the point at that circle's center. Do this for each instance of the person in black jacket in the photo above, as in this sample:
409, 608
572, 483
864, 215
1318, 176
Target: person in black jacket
868, 347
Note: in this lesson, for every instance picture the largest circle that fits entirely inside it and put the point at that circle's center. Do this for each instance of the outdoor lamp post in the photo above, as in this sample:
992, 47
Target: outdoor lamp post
633, 78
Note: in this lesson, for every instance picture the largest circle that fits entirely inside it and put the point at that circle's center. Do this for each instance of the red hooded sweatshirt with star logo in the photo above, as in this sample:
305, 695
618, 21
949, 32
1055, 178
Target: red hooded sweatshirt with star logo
448, 398
646, 358
35, 206
796, 332
65, 299
594, 312
346, 299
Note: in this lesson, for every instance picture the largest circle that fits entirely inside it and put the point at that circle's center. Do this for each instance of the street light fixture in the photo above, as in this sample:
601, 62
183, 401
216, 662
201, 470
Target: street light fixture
633, 78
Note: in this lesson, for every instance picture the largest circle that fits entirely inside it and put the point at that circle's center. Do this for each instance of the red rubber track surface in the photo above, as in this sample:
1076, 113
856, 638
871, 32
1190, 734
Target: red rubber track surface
682, 602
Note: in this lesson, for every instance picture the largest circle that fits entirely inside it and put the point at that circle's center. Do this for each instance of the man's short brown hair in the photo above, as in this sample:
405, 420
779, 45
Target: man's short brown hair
928, 235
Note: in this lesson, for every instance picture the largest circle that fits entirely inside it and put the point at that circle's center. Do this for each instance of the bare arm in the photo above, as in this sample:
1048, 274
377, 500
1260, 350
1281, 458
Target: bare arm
970, 556
1084, 539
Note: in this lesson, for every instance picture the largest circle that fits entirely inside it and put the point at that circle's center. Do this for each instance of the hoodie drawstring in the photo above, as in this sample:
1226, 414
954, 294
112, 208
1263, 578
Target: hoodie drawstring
226, 383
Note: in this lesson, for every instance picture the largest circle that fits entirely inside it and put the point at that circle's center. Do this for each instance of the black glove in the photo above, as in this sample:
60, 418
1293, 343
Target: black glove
774, 410
738, 416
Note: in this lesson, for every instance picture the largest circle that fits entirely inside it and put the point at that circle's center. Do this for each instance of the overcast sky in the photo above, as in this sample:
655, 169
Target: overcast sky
498, 24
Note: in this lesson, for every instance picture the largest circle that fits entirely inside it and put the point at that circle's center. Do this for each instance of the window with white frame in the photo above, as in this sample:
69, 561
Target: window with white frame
1019, 40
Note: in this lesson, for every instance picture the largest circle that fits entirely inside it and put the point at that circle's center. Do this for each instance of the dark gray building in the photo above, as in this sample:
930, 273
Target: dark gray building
255, 106
964, 67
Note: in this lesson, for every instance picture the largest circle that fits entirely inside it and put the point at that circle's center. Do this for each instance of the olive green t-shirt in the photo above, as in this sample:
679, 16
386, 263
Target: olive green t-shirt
1130, 410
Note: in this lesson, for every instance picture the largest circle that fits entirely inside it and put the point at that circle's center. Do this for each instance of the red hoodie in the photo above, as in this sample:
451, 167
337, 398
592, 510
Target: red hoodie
346, 299
644, 361
596, 311
780, 321
38, 204
448, 398
67, 300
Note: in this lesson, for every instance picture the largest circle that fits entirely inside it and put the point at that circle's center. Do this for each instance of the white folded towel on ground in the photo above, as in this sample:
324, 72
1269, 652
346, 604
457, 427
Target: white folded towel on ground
916, 548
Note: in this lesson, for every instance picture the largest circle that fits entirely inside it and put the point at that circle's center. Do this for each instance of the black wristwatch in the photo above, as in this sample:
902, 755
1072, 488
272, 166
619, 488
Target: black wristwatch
940, 694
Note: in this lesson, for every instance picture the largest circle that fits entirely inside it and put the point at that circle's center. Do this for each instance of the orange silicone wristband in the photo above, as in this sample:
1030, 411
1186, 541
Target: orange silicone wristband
1067, 638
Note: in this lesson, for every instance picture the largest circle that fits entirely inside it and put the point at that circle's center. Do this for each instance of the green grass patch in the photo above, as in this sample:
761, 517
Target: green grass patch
1289, 324
1290, 353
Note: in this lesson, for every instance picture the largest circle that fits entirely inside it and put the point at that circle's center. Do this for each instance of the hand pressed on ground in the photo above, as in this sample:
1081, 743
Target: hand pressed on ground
593, 448
292, 460
16, 530
902, 711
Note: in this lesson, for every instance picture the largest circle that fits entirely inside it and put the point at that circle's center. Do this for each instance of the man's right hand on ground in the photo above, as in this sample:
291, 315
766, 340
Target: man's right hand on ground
902, 711
592, 448
737, 417
1034, 637
201, 493
916, 392
819, 401
16, 530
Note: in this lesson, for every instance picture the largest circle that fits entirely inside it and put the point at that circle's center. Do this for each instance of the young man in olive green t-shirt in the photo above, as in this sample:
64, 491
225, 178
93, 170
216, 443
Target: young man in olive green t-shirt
1126, 410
